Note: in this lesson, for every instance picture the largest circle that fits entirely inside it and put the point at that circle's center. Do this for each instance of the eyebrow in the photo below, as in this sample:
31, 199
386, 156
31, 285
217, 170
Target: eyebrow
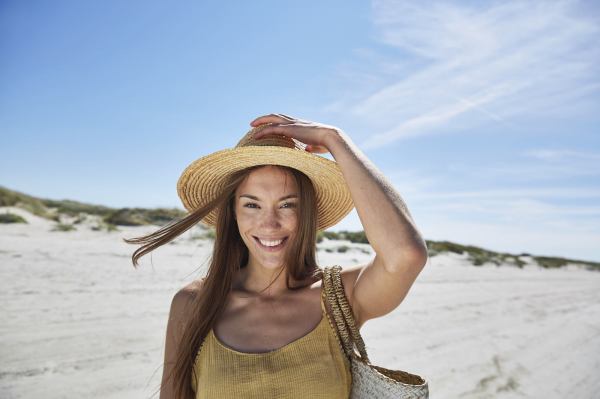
280, 199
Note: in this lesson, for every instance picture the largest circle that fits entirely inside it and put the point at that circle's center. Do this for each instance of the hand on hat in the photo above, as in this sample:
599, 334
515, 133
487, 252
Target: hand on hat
316, 136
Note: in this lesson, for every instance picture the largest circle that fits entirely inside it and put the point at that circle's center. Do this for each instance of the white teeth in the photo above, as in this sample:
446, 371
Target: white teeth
270, 243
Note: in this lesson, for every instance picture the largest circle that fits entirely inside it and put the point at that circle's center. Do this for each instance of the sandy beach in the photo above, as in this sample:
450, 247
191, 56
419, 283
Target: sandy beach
80, 321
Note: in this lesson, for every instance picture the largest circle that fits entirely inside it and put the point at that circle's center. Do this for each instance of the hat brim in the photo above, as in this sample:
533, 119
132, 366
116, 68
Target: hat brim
203, 179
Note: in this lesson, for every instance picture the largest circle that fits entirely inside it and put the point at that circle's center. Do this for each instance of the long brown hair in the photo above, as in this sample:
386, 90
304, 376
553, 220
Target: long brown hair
229, 255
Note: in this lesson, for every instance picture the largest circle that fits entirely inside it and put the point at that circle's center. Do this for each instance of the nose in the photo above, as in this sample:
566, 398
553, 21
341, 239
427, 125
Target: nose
270, 219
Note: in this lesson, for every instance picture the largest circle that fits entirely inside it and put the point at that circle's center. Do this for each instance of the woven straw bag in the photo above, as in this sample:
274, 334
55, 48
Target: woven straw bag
368, 380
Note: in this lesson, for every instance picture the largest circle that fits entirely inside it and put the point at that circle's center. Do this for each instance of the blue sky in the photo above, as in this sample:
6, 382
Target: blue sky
484, 115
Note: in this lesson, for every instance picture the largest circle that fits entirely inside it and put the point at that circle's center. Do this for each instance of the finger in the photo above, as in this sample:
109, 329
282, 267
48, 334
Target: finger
277, 128
289, 118
318, 149
297, 120
271, 118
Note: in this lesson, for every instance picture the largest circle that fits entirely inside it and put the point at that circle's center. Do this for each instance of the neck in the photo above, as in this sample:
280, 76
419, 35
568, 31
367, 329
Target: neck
259, 282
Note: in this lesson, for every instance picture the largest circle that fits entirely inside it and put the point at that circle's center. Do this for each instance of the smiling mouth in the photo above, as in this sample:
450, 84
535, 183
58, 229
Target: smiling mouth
271, 248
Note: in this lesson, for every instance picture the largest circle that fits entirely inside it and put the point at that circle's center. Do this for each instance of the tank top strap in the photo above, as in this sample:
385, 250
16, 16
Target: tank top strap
323, 298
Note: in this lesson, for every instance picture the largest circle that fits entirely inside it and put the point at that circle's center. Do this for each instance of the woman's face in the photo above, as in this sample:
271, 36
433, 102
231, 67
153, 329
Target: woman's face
266, 205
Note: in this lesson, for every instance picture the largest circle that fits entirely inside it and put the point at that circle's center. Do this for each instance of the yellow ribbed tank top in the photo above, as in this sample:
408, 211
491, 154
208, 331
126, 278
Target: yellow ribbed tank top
312, 366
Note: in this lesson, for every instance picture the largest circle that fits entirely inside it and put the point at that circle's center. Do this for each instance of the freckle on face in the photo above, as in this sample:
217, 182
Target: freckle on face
268, 185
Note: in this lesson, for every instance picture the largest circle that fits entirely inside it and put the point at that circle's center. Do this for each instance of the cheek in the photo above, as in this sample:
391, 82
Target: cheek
246, 218
293, 218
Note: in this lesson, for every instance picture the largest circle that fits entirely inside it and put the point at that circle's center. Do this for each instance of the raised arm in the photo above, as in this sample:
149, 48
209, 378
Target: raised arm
378, 287
401, 253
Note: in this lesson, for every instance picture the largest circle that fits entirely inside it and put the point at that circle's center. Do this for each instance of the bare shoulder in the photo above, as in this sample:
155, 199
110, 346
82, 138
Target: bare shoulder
193, 288
186, 295
175, 330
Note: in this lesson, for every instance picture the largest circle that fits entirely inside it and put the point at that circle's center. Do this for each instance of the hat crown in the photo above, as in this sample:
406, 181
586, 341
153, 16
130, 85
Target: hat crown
273, 139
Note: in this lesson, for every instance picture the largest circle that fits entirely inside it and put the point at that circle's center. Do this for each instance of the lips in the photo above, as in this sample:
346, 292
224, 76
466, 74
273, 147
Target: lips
274, 248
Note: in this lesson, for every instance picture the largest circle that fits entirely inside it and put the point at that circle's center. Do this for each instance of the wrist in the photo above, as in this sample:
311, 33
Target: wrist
334, 138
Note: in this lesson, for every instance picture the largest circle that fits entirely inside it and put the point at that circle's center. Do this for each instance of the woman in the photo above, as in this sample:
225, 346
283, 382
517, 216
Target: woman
257, 325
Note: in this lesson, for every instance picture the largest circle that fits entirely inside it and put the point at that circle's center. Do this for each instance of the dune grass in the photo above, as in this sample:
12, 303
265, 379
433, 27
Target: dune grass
111, 218
9, 217
52, 209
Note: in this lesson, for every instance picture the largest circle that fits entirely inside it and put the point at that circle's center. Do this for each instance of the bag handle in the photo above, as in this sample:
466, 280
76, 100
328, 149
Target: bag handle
329, 293
342, 312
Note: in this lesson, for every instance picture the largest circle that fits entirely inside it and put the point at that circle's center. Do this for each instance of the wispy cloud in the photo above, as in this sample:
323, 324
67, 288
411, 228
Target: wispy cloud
477, 65
549, 154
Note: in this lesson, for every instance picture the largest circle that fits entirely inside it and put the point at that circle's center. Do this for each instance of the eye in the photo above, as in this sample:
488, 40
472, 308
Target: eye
290, 205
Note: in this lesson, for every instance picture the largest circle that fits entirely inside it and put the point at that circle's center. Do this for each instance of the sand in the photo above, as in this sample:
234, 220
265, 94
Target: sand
80, 321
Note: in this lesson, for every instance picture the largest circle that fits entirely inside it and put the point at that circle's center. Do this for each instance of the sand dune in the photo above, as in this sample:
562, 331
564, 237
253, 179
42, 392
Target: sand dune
80, 321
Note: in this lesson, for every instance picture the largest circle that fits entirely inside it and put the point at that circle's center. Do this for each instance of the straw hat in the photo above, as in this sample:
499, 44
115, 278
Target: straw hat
204, 178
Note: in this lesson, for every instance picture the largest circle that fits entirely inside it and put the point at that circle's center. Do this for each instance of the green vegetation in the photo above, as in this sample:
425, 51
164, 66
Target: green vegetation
343, 248
208, 235
51, 209
63, 227
80, 218
109, 227
320, 235
478, 256
352, 236
111, 218
141, 216
9, 217
23, 201
552, 262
